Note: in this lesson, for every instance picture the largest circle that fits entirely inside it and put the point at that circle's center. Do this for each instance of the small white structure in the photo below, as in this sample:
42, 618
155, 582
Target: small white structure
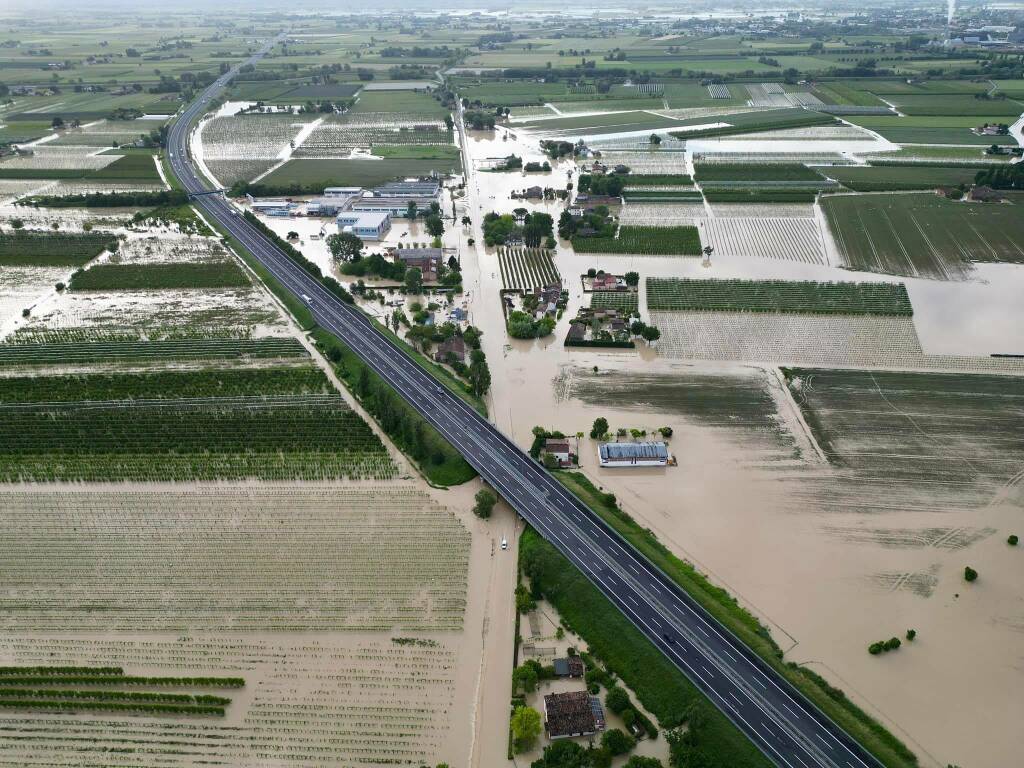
343, 191
273, 207
368, 225
633, 454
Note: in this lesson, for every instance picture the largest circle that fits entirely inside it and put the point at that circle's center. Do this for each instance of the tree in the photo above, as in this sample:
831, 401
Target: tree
435, 226
526, 727
970, 574
17, 223
650, 333
655, 140
410, 210
617, 742
525, 678
632, 278
466, 221
563, 754
1012, 540
479, 373
599, 428
485, 501
345, 246
57, 122
639, 761
911, 634
617, 700
414, 280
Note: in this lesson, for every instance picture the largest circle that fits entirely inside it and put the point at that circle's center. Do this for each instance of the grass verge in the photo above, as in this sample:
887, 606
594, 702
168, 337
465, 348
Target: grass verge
712, 741
440, 463
719, 603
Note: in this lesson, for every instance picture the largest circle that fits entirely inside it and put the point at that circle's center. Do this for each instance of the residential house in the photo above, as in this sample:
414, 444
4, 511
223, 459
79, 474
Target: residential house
570, 666
558, 447
427, 260
607, 282
453, 348
576, 713
533, 193
985, 195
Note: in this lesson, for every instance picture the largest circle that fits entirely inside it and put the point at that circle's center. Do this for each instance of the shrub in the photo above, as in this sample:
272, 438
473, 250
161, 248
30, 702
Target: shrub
485, 501
1012, 540
617, 742
617, 700
970, 574
911, 634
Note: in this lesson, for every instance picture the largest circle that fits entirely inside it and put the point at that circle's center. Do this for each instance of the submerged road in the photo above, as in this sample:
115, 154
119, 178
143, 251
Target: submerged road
787, 728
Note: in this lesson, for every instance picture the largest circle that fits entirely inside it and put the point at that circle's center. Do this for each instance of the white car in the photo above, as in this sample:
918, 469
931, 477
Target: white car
306, 299
504, 543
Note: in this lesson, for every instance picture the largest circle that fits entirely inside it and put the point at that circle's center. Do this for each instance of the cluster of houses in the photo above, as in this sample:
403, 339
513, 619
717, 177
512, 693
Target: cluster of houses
545, 300
592, 324
428, 260
366, 213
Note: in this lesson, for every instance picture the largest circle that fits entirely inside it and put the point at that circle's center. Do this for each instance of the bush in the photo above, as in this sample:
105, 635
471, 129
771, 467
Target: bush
617, 742
911, 634
970, 574
617, 700
485, 501
1012, 540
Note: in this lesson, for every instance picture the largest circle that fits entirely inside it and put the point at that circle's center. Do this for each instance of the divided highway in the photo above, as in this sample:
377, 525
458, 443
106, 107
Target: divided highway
787, 728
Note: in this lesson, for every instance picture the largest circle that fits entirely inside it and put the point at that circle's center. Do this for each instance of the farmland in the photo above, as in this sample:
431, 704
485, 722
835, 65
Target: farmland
44, 249
644, 241
771, 172
287, 436
524, 269
344, 550
923, 234
314, 175
770, 237
158, 277
626, 302
83, 351
671, 295
893, 178
950, 438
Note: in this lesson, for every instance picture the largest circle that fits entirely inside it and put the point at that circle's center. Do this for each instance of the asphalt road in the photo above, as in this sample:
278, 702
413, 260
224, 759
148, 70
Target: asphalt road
785, 727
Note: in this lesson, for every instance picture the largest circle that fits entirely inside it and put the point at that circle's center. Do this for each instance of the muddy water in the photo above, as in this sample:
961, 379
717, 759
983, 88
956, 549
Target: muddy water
750, 514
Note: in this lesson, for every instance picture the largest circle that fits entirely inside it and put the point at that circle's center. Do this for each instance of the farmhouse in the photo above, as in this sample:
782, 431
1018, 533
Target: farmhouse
427, 260
533, 193
571, 666
607, 282
985, 195
576, 713
558, 448
451, 349
633, 454
366, 225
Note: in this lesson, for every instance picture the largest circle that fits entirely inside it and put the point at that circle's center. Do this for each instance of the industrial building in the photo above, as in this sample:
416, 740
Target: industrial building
634, 454
572, 714
272, 207
365, 225
394, 197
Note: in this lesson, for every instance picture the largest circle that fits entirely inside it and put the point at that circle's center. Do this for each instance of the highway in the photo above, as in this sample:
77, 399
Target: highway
787, 728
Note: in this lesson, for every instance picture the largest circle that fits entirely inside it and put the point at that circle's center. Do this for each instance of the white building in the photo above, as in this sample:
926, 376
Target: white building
343, 191
633, 454
273, 207
365, 225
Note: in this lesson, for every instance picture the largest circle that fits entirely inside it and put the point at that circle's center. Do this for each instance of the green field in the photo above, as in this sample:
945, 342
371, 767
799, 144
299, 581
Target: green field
158, 277
205, 439
317, 174
416, 151
644, 241
755, 122
161, 385
626, 302
405, 102
923, 235
932, 130
712, 172
81, 352
57, 249
800, 297
880, 178
618, 122
132, 167
759, 195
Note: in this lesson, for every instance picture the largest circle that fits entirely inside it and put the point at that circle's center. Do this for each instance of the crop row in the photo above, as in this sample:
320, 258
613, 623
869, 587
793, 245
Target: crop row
527, 268
644, 241
710, 172
44, 249
138, 351
800, 297
135, 277
760, 195
263, 382
113, 706
75, 693
205, 434
626, 302
120, 679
